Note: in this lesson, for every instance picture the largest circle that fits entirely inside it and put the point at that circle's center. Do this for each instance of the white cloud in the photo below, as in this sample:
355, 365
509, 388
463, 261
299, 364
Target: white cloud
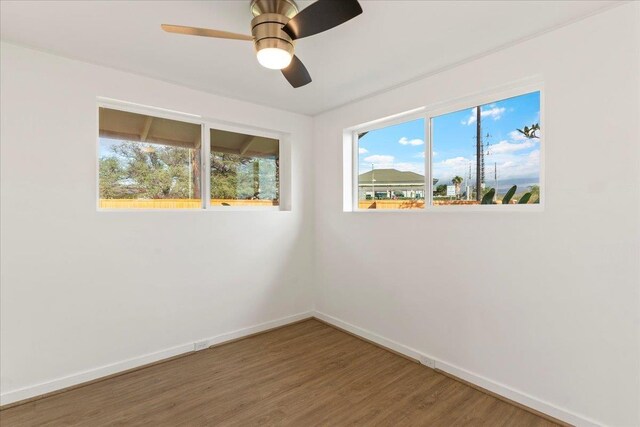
454, 162
510, 165
446, 169
517, 136
378, 158
494, 112
518, 166
406, 141
517, 158
362, 150
420, 155
508, 147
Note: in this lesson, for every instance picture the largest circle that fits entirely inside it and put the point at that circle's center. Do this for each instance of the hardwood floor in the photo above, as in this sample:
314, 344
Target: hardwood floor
305, 374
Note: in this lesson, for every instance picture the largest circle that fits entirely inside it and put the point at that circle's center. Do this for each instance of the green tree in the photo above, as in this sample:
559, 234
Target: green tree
225, 180
111, 176
138, 170
441, 190
457, 181
238, 177
535, 193
531, 132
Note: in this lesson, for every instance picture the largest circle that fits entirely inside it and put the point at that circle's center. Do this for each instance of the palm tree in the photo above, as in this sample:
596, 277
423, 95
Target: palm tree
530, 132
535, 193
457, 181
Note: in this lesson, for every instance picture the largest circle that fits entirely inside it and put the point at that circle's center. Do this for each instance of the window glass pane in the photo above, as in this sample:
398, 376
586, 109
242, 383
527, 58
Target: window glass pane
391, 167
148, 162
497, 151
245, 170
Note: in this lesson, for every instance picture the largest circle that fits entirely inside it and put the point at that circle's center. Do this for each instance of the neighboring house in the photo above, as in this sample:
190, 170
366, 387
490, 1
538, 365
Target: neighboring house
389, 183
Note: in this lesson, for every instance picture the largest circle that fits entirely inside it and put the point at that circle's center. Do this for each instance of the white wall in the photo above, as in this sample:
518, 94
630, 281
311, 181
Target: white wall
553, 316
83, 289
546, 306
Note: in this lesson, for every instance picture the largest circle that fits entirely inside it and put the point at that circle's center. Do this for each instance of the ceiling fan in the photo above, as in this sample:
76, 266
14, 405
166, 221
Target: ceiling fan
276, 26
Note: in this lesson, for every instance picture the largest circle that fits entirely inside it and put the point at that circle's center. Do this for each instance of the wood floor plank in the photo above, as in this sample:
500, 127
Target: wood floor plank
305, 374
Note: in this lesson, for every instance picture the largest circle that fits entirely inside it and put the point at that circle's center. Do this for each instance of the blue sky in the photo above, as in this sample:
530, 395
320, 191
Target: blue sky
517, 158
105, 146
394, 147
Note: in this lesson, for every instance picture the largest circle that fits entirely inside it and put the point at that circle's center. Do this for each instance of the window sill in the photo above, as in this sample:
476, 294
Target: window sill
459, 209
212, 209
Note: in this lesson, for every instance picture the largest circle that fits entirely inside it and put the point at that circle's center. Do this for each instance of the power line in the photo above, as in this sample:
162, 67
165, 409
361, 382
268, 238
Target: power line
479, 155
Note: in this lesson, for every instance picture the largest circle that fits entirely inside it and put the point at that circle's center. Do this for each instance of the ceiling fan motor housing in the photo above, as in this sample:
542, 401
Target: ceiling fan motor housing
269, 18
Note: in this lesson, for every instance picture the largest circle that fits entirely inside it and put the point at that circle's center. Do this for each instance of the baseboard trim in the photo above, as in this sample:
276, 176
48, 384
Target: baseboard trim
28, 394
493, 388
34, 393
529, 403
505, 399
389, 345
261, 328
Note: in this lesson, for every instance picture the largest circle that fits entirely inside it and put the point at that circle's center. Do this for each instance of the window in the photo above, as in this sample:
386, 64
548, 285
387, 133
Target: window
391, 166
148, 162
488, 154
473, 154
244, 170
164, 162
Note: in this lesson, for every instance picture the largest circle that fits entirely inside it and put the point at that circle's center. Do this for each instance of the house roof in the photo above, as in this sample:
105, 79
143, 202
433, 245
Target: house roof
391, 176
242, 144
124, 125
128, 126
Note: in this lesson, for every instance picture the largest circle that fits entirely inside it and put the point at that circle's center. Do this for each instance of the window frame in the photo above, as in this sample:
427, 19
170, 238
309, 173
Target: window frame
206, 124
429, 112
376, 125
207, 164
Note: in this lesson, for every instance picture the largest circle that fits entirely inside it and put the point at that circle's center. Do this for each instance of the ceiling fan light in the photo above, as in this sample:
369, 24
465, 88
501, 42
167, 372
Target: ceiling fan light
274, 58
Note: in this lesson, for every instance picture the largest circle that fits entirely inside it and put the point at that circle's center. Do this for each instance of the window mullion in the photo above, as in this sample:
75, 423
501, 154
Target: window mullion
206, 167
428, 198
355, 182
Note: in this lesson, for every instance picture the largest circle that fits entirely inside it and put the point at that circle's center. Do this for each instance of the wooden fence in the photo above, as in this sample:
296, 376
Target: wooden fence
177, 203
391, 204
409, 204
197, 203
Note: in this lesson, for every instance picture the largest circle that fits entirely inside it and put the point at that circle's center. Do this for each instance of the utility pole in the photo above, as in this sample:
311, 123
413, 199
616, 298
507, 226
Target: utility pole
495, 176
478, 155
469, 183
373, 184
482, 168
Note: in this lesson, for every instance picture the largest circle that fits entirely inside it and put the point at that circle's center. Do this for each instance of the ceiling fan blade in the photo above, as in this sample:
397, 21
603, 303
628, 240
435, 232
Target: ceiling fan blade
296, 73
321, 16
204, 32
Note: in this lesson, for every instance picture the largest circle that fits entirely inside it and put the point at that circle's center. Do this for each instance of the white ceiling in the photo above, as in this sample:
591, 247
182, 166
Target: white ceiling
392, 42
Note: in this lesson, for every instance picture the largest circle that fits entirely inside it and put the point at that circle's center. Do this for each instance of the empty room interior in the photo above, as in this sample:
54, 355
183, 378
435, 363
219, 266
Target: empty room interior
320, 213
